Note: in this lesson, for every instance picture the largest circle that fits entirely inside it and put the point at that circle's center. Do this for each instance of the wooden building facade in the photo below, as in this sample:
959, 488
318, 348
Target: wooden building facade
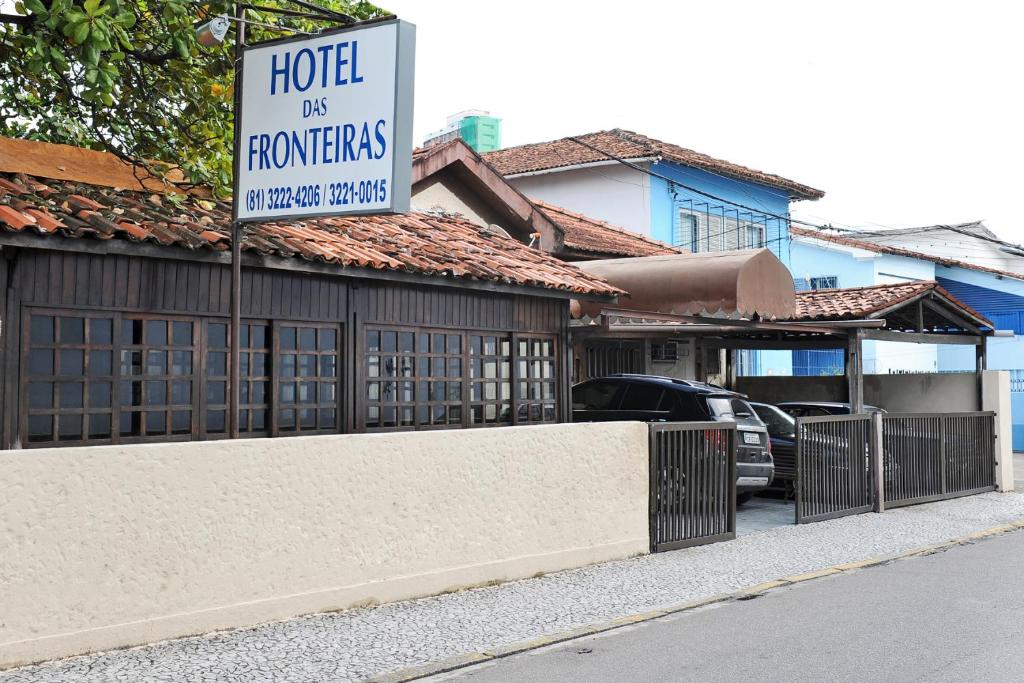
110, 335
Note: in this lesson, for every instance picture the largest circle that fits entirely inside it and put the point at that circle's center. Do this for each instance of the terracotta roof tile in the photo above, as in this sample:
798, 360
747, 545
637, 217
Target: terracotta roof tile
582, 233
626, 144
854, 303
898, 251
420, 243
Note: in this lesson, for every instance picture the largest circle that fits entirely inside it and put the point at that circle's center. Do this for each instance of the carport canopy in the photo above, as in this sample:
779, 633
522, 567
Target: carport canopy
917, 312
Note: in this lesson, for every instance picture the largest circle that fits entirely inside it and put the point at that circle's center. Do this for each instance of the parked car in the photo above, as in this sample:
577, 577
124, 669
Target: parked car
782, 432
665, 399
818, 408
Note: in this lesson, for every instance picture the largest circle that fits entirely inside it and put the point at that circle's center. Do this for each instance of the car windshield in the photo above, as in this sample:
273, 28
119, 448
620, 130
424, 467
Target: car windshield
777, 421
725, 406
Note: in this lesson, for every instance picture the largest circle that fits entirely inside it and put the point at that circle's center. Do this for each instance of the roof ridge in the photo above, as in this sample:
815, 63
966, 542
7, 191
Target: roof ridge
922, 284
901, 251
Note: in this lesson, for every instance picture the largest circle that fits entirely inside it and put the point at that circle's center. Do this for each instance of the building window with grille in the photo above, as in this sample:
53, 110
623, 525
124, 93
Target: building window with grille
538, 387
490, 373
704, 231
306, 377
414, 378
70, 388
157, 377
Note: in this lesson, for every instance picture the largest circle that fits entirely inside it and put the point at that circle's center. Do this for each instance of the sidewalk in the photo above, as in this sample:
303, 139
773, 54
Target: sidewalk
369, 642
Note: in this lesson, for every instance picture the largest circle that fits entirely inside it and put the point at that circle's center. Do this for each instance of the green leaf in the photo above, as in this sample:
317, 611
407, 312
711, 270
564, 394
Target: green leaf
181, 47
91, 6
35, 7
81, 32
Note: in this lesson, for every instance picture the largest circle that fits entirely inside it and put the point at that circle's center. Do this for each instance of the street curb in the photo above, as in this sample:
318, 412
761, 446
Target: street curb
468, 659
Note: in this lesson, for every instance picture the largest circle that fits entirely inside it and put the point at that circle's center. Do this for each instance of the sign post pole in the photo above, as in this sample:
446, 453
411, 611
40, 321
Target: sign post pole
237, 234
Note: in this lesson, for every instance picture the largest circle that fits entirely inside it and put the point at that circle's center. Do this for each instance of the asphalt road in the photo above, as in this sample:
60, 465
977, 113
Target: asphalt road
952, 616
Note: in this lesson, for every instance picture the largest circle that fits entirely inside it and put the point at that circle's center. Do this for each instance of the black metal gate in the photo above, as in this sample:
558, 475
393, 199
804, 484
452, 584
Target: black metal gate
612, 357
693, 484
833, 467
934, 456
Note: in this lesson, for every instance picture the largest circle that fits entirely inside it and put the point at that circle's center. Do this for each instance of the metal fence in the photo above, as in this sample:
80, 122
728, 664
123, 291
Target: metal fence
833, 456
934, 456
693, 484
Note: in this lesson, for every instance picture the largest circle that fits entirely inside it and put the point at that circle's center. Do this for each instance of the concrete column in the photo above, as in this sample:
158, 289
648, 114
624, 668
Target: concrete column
995, 396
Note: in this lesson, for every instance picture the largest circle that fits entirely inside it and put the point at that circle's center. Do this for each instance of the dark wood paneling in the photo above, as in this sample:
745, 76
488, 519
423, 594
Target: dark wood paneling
447, 307
164, 286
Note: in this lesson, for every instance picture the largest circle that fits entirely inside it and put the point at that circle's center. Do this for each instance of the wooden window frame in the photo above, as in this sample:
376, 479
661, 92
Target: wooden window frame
276, 359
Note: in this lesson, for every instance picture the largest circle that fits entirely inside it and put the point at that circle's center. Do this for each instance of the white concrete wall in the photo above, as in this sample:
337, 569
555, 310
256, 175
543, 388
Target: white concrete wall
996, 397
121, 545
918, 393
612, 192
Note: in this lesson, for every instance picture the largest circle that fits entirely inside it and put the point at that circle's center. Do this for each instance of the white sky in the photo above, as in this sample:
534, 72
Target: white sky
906, 113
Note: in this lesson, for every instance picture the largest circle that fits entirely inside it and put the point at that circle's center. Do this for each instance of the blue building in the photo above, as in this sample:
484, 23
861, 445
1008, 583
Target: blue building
824, 260
663, 191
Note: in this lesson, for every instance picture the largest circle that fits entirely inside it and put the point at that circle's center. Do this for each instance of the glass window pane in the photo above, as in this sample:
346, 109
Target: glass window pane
327, 392
99, 426
388, 416
40, 395
156, 393
216, 393
406, 342
243, 341
181, 421
372, 416
181, 362
327, 416
41, 327
328, 365
131, 424
260, 392
328, 340
307, 417
99, 394
131, 332
259, 419
217, 335
101, 331
216, 421
389, 341
372, 340
454, 343
131, 393
287, 335
181, 392
437, 343
218, 364
260, 335
40, 428
288, 365
475, 344
101, 363
307, 392
307, 366
286, 420
69, 427
243, 393
424, 342
72, 394
72, 362
72, 330
156, 362
454, 391
307, 339
40, 362
181, 333
455, 367
156, 335
287, 392
131, 362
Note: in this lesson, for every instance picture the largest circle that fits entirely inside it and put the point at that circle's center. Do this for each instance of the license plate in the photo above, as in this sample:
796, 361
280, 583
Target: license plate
752, 481
752, 437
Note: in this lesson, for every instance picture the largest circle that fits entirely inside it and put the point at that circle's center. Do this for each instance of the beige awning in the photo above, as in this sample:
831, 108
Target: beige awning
727, 284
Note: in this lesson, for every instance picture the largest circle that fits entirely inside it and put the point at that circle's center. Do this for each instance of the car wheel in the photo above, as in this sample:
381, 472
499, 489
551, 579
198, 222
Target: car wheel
743, 498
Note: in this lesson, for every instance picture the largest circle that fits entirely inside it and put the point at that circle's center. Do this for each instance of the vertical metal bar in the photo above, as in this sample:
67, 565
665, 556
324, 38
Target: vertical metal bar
878, 461
943, 454
234, 360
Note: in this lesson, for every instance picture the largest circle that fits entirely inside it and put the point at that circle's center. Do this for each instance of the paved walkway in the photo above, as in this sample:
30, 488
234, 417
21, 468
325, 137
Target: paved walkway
360, 643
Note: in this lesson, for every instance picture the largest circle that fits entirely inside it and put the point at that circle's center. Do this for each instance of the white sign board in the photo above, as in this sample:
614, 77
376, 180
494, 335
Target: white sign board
325, 124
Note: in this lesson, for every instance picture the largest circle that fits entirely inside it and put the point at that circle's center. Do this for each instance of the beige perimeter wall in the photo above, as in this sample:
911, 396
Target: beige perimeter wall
119, 545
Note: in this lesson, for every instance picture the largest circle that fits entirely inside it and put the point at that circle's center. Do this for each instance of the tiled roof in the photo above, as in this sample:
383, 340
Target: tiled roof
582, 233
625, 144
855, 303
898, 251
421, 243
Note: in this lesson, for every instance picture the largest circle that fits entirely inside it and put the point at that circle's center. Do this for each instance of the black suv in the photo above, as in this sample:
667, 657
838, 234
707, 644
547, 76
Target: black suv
664, 399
